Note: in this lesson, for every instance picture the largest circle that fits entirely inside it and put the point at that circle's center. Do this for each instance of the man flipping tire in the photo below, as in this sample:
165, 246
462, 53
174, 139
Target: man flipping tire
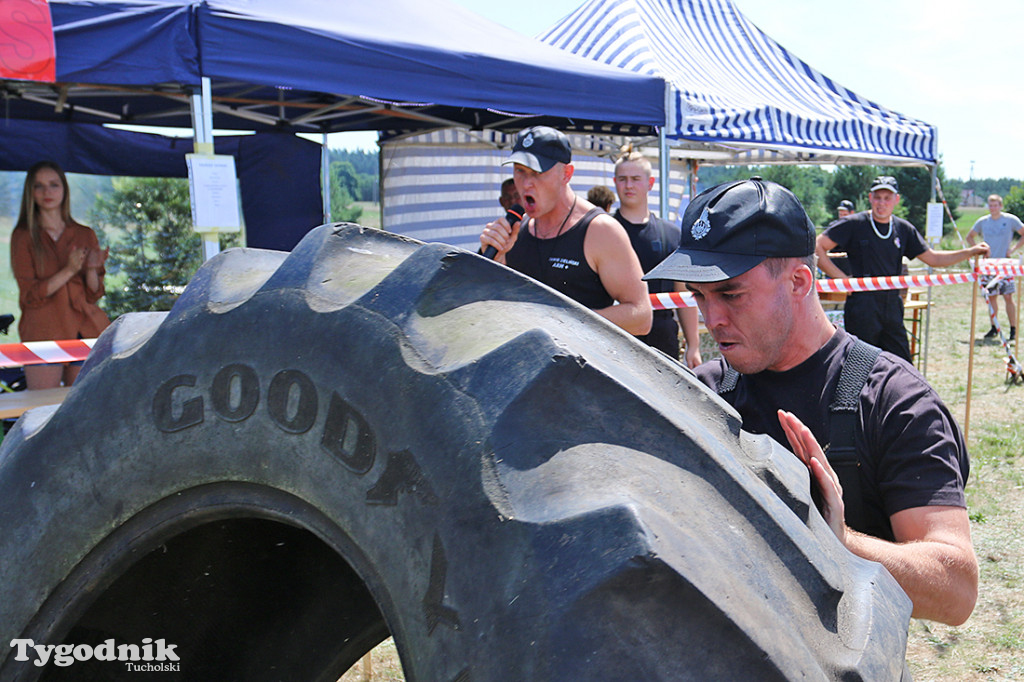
314, 450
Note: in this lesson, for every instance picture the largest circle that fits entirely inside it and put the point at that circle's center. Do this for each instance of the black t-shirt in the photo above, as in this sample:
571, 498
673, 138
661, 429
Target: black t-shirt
653, 242
911, 449
560, 263
871, 256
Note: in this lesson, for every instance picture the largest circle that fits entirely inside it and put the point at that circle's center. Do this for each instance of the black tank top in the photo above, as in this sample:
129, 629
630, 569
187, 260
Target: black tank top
560, 263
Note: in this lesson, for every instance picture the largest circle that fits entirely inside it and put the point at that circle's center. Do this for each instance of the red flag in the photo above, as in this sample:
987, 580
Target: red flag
26, 41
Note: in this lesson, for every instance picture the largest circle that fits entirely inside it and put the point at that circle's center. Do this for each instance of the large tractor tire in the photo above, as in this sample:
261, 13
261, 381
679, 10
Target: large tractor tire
372, 436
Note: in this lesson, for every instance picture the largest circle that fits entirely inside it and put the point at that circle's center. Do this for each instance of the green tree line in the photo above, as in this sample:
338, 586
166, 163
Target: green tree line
986, 186
354, 177
821, 190
1013, 201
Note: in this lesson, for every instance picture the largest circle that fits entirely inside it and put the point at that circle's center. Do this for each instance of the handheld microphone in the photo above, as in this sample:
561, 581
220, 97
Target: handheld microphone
513, 215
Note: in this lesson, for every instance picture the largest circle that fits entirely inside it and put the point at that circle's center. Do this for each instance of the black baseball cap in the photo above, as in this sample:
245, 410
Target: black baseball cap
885, 182
845, 203
540, 148
732, 227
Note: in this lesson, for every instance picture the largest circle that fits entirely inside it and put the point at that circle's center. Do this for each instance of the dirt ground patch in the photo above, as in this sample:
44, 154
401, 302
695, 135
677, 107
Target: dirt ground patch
990, 646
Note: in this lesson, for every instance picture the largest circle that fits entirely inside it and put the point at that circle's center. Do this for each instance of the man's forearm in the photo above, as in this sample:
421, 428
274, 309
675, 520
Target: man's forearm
826, 265
940, 579
943, 259
635, 318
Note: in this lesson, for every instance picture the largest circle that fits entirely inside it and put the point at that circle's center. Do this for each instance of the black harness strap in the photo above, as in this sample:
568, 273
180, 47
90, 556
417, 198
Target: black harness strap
843, 416
729, 380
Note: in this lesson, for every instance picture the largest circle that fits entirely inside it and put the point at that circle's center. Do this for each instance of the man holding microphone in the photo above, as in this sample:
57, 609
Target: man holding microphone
566, 242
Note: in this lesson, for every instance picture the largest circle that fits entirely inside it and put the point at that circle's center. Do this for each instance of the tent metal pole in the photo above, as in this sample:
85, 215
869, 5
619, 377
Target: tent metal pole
380, 184
663, 174
202, 119
207, 94
325, 178
928, 308
202, 136
664, 162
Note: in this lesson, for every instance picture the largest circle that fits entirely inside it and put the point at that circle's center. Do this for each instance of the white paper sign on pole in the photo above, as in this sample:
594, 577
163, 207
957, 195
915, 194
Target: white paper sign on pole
933, 229
213, 189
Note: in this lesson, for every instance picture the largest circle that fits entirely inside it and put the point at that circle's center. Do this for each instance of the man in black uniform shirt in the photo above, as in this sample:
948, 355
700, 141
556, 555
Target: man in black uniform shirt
653, 239
875, 242
747, 254
566, 242
844, 208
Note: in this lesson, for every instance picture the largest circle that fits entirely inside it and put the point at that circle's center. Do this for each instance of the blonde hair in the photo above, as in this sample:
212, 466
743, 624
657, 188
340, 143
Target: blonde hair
629, 156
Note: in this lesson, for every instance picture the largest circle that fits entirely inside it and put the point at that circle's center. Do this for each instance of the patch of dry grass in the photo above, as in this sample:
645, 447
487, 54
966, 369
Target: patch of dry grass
990, 646
380, 665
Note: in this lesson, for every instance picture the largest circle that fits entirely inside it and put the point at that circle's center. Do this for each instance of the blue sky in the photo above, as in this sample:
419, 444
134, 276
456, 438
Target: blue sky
959, 70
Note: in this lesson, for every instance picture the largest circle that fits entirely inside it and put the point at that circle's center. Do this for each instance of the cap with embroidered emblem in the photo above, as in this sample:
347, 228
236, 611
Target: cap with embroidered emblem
885, 182
540, 148
732, 227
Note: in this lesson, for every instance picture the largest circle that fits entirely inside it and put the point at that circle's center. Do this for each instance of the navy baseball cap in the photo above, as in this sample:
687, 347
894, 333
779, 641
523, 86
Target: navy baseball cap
732, 227
540, 148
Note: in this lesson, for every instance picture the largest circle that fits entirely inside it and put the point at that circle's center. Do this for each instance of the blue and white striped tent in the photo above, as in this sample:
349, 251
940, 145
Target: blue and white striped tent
734, 87
443, 186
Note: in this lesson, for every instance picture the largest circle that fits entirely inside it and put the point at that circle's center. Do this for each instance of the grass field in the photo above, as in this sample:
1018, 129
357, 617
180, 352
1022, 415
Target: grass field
990, 646
371, 213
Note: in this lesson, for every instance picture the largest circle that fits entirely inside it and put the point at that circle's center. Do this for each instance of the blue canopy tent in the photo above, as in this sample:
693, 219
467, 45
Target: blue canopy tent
737, 96
318, 66
314, 66
268, 165
734, 96
134, 52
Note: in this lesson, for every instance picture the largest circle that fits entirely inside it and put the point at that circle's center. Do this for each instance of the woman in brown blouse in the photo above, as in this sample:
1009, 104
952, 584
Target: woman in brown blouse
59, 267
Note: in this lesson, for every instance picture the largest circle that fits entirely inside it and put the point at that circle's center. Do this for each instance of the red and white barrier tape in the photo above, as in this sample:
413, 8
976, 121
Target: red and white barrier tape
992, 266
1001, 266
685, 300
44, 352
883, 283
675, 299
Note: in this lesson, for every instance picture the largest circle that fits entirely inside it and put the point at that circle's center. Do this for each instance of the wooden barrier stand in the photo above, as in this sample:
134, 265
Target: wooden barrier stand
912, 306
13, 405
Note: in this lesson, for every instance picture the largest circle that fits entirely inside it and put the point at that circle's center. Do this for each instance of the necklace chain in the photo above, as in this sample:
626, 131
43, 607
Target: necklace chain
57, 230
564, 220
551, 245
875, 227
